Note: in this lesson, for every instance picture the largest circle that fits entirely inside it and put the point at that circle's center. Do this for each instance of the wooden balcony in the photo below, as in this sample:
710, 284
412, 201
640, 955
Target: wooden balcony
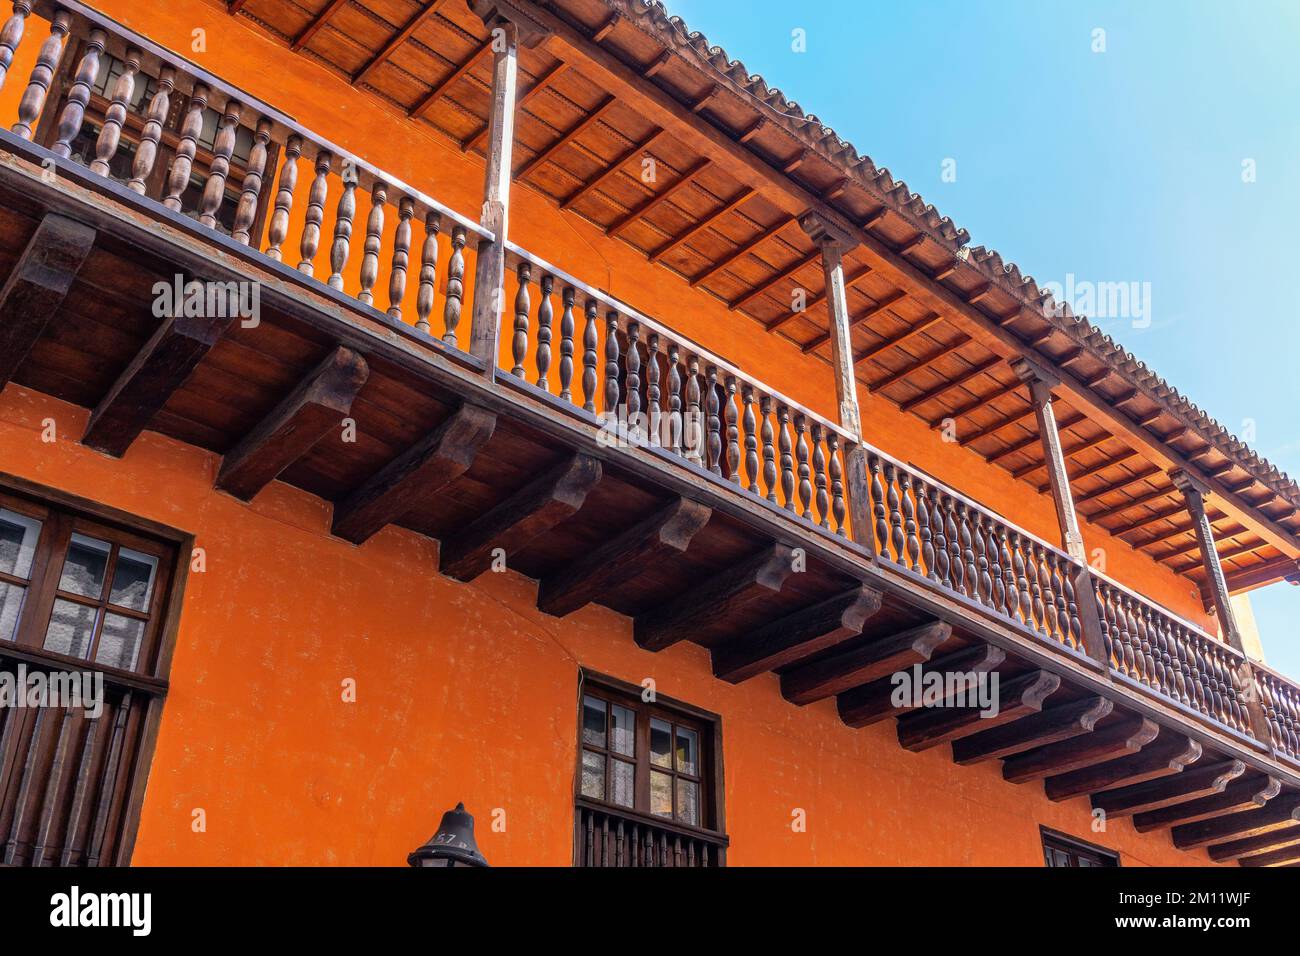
614, 459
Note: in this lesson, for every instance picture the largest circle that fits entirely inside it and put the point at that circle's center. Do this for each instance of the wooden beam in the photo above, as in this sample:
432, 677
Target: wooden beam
1016, 697
768, 284
883, 656
1154, 518
1200, 780
742, 251
954, 678
796, 636
422, 470
882, 305
1168, 754
398, 39
1145, 498
893, 378
539, 84
160, 368
1063, 722
37, 286
1247, 793
976, 370
440, 90
700, 225
568, 136
1076, 449
849, 282
1282, 811
234, 6
305, 416
997, 425
520, 519
309, 31
1126, 736
1152, 472
598, 180
716, 600
1279, 569
666, 532
1248, 846
1286, 855
653, 202
1029, 441
976, 403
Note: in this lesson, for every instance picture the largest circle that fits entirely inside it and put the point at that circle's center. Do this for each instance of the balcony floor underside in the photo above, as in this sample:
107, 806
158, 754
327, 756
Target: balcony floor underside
502, 472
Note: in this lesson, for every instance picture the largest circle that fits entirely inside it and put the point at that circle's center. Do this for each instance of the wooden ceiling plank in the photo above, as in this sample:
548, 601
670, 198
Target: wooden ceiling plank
598, 180
316, 25
788, 272
849, 282
700, 225
538, 85
398, 39
974, 371
440, 90
884, 304
916, 365
741, 251
871, 351
658, 199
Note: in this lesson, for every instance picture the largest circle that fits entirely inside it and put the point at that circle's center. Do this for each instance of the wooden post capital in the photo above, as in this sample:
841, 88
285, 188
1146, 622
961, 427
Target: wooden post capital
1038, 377
496, 13
822, 232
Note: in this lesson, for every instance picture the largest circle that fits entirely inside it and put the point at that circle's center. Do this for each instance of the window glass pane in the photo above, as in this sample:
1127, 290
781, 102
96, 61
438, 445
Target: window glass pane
622, 730
661, 747
133, 579
593, 775
72, 627
83, 568
593, 721
688, 752
622, 785
119, 642
11, 606
18, 534
688, 801
661, 794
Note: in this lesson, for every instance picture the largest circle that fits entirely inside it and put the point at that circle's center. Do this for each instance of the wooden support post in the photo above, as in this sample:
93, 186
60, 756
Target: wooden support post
1041, 382
1194, 493
36, 286
507, 26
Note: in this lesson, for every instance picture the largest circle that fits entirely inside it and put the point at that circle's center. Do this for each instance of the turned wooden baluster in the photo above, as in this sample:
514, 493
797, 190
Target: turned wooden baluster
693, 432
567, 299
909, 520
1062, 603
1022, 580
801, 456
74, 110
590, 340
1102, 596
146, 154
714, 408
654, 399
11, 35
111, 133
370, 246
731, 415
183, 163
942, 558
455, 286
1036, 587
342, 246
787, 457
923, 512
611, 363
545, 315
424, 295
428, 289
1049, 594
401, 257
896, 537
768, 438
984, 586
1005, 560
750, 423
966, 534
251, 190
47, 60
316, 197
952, 532
523, 305
878, 510
819, 474
223, 147
278, 228
839, 506
997, 586
632, 363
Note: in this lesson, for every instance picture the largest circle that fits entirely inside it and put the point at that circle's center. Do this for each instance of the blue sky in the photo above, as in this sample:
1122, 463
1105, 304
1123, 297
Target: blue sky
1124, 165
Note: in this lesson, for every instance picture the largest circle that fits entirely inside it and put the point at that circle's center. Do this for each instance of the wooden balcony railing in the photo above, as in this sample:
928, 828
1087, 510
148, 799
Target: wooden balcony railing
609, 837
595, 357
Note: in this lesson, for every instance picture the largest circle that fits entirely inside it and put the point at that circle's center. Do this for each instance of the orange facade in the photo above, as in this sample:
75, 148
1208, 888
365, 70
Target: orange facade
468, 692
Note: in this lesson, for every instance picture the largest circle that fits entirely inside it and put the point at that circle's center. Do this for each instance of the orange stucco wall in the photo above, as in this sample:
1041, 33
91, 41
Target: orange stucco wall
467, 692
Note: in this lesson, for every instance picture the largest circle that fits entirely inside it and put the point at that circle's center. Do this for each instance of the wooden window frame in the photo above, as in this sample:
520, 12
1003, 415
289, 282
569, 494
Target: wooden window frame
706, 723
1074, 849
61, 513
